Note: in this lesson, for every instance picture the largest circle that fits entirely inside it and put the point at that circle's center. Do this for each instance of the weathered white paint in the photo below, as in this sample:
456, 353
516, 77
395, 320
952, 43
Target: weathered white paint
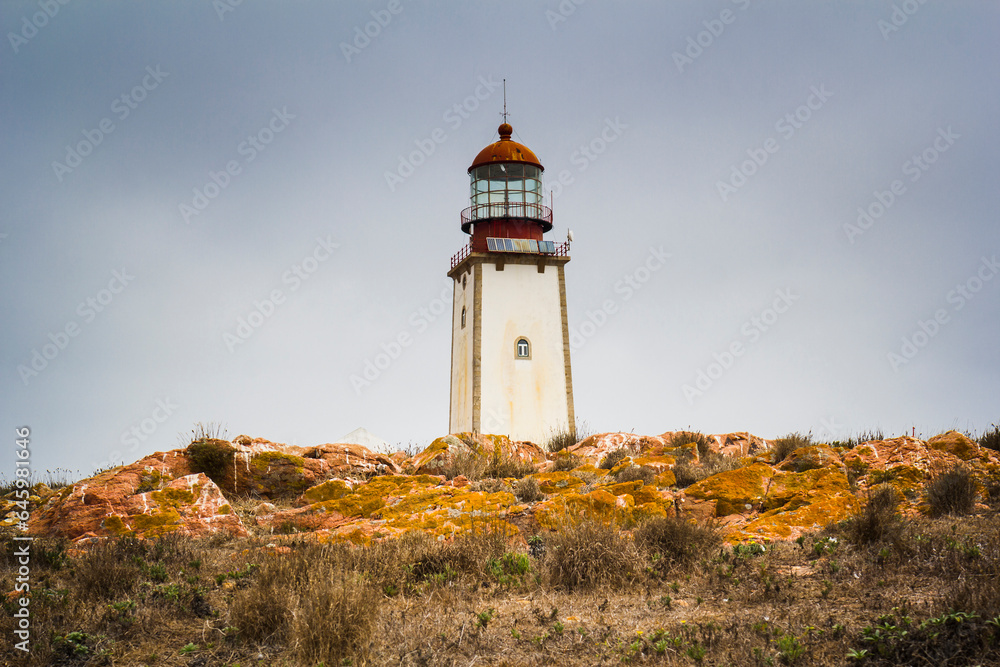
526, 399
461, 353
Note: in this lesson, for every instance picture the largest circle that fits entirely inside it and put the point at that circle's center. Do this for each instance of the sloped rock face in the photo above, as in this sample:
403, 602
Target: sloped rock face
595, 448
111, 505
265, 469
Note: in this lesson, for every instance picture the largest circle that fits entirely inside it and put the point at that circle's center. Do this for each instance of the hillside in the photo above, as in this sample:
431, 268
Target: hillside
679, 548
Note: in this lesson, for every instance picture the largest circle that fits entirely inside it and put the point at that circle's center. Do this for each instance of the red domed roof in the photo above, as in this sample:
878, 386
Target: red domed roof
505, 150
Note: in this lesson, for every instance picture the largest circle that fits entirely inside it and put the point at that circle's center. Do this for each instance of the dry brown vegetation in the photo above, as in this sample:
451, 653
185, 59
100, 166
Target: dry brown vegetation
876, 590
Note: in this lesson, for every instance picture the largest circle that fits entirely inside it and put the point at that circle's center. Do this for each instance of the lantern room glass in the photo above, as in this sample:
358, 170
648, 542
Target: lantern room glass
495, 188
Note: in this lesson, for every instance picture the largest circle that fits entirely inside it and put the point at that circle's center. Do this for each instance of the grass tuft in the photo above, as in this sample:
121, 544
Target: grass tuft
952, 492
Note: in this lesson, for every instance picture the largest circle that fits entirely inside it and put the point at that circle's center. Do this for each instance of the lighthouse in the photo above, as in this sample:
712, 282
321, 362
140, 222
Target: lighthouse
510, 357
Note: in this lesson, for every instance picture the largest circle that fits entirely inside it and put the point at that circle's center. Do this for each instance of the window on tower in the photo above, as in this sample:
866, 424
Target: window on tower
523, 349
463, 317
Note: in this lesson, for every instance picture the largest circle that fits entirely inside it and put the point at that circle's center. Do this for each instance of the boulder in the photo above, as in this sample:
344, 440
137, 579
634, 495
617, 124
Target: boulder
265, 469
110, 504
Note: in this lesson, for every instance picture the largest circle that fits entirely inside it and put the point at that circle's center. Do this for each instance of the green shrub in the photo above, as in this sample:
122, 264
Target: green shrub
952, 492
215, 458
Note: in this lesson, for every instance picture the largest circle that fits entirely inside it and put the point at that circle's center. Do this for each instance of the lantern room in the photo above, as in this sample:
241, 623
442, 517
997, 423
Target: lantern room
505, 194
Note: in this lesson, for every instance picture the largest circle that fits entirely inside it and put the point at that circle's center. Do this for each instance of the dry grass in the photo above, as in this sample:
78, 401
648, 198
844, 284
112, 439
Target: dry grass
889, 589
878, 520
475, 465
588, 553
645, 474
703, 442
567, 461
952, 492
782, 447
673, 542
613, 458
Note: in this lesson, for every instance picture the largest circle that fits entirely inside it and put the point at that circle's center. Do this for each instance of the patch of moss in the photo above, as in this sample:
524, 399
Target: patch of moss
114, 525
157, 523
225, 509
559, 481
334, 489
175, 497
734, 489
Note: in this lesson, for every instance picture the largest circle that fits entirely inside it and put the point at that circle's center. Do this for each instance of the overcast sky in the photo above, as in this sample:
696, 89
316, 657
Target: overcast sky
223, 212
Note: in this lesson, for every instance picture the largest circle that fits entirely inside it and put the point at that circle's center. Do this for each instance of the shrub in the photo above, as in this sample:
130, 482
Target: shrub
702, 441
498, 464
334, 620
613, 458
111, 568
714, 463
672, 542
213, 457
587, 553
991, 439
878, 519
687, 474
953, 492
645, 474
567, 461
563, 439
527, 490
782, 447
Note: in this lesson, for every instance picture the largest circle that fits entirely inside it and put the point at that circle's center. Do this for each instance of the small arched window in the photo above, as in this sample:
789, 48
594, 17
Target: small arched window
463, 317
523, 349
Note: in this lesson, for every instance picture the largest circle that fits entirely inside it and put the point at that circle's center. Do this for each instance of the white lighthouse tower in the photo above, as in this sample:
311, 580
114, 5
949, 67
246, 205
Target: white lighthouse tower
510, 365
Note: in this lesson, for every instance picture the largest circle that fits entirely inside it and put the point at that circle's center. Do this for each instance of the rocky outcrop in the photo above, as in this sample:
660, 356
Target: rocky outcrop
441, 454
336, 492
190, 504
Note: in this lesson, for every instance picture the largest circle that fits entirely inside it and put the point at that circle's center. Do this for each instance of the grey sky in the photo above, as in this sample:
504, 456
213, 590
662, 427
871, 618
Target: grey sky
661, 134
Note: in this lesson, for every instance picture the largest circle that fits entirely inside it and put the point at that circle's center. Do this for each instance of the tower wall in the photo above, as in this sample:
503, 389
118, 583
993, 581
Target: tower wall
492, 390
462, 348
